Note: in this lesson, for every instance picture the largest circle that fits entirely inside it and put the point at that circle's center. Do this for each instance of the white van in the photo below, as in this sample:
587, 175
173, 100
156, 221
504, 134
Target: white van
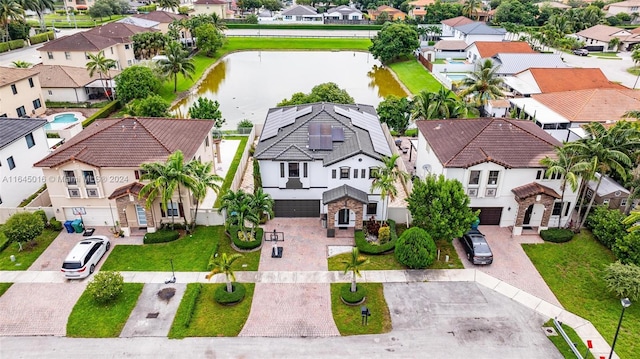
84, 257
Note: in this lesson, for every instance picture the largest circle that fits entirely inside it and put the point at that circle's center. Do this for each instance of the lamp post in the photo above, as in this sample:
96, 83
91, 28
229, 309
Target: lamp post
625, 304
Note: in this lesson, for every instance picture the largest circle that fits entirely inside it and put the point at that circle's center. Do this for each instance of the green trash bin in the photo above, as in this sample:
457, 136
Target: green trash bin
77, 225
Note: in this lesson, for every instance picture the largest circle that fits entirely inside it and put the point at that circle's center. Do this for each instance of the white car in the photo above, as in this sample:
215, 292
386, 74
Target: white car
84, 257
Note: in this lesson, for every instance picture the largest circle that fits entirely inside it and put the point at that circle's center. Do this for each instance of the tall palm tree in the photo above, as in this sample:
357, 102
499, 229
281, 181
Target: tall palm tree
179, 176
230, 202
421, 105
222, 264
39, 7
353, 265
203, 178
565, 165
9, 10
101, 64
483, 83
262, 202
471, 7
442, 103
385, 180
176, 62
157, 175
168, 4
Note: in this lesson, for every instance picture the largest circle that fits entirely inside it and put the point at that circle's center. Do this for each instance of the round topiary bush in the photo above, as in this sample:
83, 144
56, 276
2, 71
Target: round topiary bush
557, 235
105, 287
223, 297
415, 248
350, 297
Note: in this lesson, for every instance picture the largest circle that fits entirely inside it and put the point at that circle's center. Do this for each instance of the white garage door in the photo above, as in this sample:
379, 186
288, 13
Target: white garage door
95, 216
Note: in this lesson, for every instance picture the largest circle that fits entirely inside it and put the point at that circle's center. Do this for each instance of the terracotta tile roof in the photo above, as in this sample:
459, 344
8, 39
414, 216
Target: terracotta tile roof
510, 143
570, 79
56, 76
635, 31
121, 32
163, 17
600, 32
591, 105
82, 41
491, 48
457, 21
129, 142
131, 188
393, 12
533, 189
12, 75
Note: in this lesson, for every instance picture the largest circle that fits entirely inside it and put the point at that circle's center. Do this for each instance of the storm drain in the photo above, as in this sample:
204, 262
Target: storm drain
550, 331
153, 315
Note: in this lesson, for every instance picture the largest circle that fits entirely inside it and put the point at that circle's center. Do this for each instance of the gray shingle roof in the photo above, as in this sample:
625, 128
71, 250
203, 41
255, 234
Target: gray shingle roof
480, 28
16, 128
300, 10
344, 9
607, 186
515, 63
342, 192
291, 141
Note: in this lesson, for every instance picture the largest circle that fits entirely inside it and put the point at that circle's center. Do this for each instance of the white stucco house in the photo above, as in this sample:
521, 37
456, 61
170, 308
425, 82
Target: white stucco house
23, 142
497, 160
478, 31
319, 160
299, 13
597, 38
449, 24
343, 12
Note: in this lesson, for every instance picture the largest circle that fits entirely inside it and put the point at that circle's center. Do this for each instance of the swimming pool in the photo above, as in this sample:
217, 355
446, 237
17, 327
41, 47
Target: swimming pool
61, 121
456, 77
455, 62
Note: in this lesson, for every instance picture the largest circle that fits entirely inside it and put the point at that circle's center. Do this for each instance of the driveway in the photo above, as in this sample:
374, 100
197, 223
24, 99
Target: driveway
615, 70
510, 263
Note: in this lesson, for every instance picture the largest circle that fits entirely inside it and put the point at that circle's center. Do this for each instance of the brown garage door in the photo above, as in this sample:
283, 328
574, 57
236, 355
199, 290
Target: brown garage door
489, 215
297, 208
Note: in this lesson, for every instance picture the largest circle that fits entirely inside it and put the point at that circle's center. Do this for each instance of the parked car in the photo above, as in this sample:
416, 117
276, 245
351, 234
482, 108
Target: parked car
581, 52
477, 248
84, 257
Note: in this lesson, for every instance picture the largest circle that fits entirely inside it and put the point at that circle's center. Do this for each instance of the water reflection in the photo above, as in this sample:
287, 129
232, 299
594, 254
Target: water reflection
247, 84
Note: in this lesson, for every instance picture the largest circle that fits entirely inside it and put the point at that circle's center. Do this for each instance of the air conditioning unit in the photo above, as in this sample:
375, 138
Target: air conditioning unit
74, 192
92, 192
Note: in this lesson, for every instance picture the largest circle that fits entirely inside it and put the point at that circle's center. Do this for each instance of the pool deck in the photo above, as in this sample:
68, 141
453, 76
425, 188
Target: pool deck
78, 115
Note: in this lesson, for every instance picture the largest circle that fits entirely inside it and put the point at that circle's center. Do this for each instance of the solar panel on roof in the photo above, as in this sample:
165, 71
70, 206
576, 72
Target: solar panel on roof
325, 129
337, 134
314, 142
370, 123
325, 142
314, 129
281, 118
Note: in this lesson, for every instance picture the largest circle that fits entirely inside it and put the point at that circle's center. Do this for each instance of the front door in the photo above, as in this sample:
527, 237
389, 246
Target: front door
343, 216
527, 215
142, 216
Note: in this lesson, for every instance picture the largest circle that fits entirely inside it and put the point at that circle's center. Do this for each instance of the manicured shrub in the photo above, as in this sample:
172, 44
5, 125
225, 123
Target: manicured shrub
416, 249
606, 225
4, 46
105, 287
42, 216
623, 280
23, 227
627, 248
42, 37
190, 299
384, 233
374, 248
223, 297
148, 8
352, 297
557, 235
104, 112
55, 225
236, 237
161, 236
16, 44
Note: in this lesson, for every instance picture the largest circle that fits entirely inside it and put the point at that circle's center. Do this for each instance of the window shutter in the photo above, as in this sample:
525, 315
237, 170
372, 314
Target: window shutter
333, 173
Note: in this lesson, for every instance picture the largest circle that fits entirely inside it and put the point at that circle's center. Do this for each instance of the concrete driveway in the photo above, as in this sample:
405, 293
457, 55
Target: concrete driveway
510, 262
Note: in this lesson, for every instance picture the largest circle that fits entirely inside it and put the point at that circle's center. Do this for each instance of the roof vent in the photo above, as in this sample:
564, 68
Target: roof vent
437, 127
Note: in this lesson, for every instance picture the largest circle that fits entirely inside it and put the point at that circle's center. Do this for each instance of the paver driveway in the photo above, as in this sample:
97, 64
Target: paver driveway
510, 262
286, 310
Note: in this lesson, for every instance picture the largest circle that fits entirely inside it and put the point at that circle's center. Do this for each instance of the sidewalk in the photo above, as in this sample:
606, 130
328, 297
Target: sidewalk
583, 327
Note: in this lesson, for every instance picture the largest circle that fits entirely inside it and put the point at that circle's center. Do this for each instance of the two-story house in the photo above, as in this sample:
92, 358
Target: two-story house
20, 93
208, 7
449, 24
419, 7
114, 39
321, 158
478, 31
22, 143
497, 160
97, 172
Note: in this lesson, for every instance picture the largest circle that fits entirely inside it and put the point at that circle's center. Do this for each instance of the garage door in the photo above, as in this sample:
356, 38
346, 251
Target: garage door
94, 216
489, 215
297, 208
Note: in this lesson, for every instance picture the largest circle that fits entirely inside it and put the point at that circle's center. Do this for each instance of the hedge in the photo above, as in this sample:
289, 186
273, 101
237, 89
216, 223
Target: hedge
4, 243
55, 225
190, 299
223, 297
11, 45
104, 112
557, 235
369, 248
240, 25
45, 36
148, 8
352, 297
161, 236
233, 233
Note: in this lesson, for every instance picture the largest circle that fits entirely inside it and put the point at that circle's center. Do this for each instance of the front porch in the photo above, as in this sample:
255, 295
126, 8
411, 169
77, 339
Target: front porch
345, 208
535, 206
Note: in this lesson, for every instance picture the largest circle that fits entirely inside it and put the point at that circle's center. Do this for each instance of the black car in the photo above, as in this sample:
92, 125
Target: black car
477, 248
581, 52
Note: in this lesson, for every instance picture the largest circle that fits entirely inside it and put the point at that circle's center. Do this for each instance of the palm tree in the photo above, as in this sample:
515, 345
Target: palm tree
614, 43
565, 166
21, 64
39, 7
462, 109
471, 7
179, 175
222, 264
632, 219
101, 64
635, 56
9, 10
433, 31
442, 103
483, 83
356, 261
262, 202
176, 62
203, 178
422, 103
157, 175
385, 180
230, 202
168, 4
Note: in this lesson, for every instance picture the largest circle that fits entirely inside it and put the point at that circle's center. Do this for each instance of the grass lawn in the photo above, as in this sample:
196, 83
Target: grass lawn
228, 179
4, 287
211, 319
604, 54
634, 70
91, 320
28, 255
574, 272
415, 77
348, 318
562, 345
388, 261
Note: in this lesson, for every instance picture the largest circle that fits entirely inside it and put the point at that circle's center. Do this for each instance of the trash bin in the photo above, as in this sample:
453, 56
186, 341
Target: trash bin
68, 226
77, 225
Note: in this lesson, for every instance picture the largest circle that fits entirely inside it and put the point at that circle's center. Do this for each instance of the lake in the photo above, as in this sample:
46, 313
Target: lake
248, 83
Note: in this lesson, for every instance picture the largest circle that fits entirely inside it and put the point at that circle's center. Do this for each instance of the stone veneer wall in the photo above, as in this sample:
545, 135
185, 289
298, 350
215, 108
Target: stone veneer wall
351, 204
